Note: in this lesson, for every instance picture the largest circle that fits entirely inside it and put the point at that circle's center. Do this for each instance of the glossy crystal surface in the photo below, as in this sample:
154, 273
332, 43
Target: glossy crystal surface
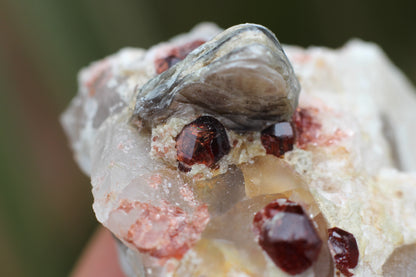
203, 141
344, 249
278, 138
287, 235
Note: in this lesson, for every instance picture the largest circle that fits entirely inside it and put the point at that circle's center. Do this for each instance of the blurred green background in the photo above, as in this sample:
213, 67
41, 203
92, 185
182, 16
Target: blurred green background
45, 202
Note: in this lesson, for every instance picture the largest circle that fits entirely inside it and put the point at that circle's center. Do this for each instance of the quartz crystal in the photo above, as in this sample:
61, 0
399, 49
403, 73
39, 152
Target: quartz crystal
187, 141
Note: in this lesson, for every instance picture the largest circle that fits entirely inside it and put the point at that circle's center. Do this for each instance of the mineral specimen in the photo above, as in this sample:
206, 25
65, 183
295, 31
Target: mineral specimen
186, 142
241, 76
344, 249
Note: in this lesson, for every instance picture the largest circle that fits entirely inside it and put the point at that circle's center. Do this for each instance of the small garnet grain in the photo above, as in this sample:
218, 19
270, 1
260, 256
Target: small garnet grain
203, 141
287, 235
344, 249
278, 138
175, 55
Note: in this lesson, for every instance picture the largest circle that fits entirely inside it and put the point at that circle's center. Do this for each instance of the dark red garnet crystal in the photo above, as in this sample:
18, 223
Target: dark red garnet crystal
175, 55
287, 235
203, 141
344, 249
278, 138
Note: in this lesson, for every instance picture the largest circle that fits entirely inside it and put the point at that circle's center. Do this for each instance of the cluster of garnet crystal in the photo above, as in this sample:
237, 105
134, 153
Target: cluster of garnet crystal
175, 55
278, 138
203, 141
289, 237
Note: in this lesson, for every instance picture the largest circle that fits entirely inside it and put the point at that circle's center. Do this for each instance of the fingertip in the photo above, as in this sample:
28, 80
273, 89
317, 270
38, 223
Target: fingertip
99, 258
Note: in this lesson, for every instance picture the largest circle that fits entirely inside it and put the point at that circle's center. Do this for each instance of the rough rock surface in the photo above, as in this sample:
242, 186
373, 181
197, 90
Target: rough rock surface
353, 166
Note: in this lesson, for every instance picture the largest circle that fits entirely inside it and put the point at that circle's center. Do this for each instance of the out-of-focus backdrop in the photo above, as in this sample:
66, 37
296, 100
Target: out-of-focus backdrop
45, 202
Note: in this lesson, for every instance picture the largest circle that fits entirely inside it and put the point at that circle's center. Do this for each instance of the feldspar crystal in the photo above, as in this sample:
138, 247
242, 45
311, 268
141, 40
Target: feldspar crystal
186, 142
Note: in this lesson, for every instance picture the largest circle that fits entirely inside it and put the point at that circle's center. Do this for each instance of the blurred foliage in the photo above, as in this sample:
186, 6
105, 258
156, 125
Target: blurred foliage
45, 201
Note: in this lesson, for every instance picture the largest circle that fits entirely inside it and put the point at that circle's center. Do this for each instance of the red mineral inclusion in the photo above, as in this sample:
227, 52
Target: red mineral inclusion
175, 55
203, 141
307, 128
287, 235
344, 249
165, 231
278, 138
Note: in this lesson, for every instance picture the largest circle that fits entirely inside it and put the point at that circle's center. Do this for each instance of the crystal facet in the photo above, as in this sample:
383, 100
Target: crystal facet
288, 236
278, 138
344, 249
203, 141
